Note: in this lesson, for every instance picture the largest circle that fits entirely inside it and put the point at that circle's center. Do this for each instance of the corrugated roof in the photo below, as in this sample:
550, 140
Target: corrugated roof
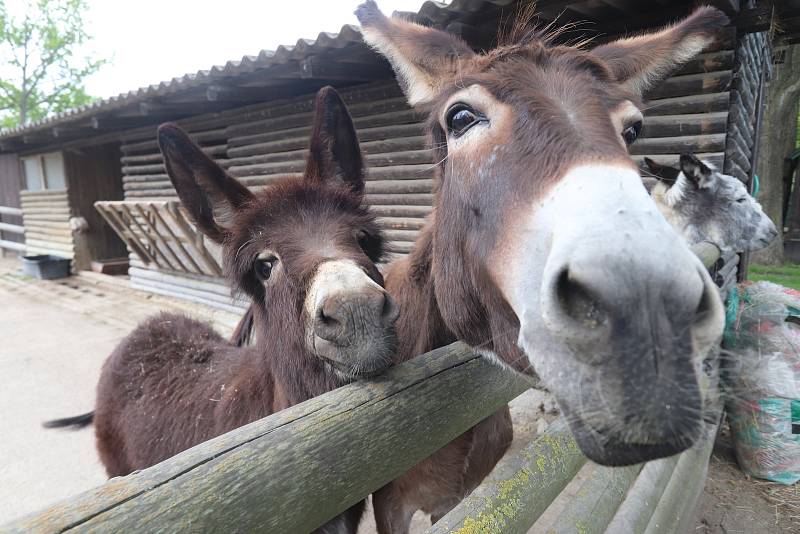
436, 12
266, 58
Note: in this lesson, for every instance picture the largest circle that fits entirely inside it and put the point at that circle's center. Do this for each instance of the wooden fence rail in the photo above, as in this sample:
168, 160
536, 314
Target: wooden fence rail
294, 470
5, 210
12, 229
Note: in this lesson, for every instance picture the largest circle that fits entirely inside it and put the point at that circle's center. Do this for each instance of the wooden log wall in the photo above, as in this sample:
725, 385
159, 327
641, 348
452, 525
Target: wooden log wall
749, 56
46, 216
260, 143
689, 111
10, 185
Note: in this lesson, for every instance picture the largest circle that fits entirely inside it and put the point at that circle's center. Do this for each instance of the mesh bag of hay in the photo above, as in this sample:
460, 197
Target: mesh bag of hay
764, 391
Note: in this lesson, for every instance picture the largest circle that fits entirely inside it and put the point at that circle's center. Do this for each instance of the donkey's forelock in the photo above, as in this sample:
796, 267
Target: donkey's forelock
306, 222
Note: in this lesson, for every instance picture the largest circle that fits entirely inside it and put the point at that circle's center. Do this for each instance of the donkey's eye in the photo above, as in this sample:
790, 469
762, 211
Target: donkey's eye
460, 118
631, 133
263, 268
741, 200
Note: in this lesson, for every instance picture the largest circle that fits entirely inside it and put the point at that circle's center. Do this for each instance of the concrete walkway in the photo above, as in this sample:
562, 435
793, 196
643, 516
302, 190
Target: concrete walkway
54, 337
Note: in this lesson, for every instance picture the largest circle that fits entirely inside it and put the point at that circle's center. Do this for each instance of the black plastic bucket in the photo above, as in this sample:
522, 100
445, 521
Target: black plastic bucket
45, 266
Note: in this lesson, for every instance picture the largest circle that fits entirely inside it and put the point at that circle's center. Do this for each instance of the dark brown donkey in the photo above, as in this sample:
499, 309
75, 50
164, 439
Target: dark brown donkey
304, 250
545, 252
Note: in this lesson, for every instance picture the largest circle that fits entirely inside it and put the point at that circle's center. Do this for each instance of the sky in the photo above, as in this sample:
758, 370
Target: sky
150, 41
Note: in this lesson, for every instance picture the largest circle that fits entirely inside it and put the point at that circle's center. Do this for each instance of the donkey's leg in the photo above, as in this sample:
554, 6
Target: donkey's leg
344, 523
110, 447
393, 513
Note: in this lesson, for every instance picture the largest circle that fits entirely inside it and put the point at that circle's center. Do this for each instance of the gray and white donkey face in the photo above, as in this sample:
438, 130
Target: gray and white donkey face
705, 205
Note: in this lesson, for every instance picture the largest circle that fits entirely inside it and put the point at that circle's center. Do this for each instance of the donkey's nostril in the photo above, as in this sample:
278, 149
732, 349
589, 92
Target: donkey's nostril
330, 319
577, 302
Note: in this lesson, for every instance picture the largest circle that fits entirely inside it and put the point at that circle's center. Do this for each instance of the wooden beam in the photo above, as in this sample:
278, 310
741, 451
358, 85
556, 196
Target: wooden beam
7, 210
321, 68
520, 488
12, 245
285, 458
12, 228
229, 93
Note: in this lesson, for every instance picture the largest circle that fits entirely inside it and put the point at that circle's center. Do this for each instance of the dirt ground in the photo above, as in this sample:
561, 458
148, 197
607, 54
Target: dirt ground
733, 503
54, 337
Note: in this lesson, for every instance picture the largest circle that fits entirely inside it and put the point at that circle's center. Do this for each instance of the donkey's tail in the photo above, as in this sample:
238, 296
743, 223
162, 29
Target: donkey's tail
244, 330
77, 422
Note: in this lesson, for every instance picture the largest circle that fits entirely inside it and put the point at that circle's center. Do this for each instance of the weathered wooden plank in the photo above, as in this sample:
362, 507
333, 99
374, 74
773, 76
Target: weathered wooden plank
680, 144
708, 62
596, 501
675, 510
49, 244
408, 199
27, 193
12, 245
283, 122
520, 487
43, 236
636, 510
689, 124
12, 228
399, 247
217, 286
409, 236
6, 210
47, 230
294, 161
286, 458
247, 145
31, 250
691, 84
401, 223
172, 292
48, 217
398, 186
401, 211
688, 104
151, 194
184, 291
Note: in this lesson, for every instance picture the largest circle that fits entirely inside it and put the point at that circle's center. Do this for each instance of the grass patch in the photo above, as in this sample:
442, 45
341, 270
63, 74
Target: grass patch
786, 275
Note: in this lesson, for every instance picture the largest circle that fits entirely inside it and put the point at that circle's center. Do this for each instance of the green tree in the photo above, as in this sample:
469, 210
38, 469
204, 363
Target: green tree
42, 61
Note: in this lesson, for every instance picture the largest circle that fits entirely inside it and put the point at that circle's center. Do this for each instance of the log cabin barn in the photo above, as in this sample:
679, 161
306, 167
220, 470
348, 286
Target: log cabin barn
89, 184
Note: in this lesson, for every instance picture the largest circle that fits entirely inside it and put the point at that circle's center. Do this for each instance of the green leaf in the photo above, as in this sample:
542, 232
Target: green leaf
43, 67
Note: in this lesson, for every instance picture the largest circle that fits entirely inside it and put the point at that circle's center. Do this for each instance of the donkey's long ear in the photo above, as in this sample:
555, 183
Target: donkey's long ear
424, 59
334, 151
698, 173
207, 192
663, 173
641, 62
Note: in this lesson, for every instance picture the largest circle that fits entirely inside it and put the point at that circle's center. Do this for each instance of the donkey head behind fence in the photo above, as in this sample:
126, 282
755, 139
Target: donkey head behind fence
547, 251
706, 205
303, 246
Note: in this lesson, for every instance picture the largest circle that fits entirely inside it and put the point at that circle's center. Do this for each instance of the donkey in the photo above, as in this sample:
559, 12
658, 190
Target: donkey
304, 250
545, 253
705, 205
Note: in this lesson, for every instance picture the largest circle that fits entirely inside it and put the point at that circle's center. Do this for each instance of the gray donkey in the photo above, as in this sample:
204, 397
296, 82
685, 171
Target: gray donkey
705, 205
